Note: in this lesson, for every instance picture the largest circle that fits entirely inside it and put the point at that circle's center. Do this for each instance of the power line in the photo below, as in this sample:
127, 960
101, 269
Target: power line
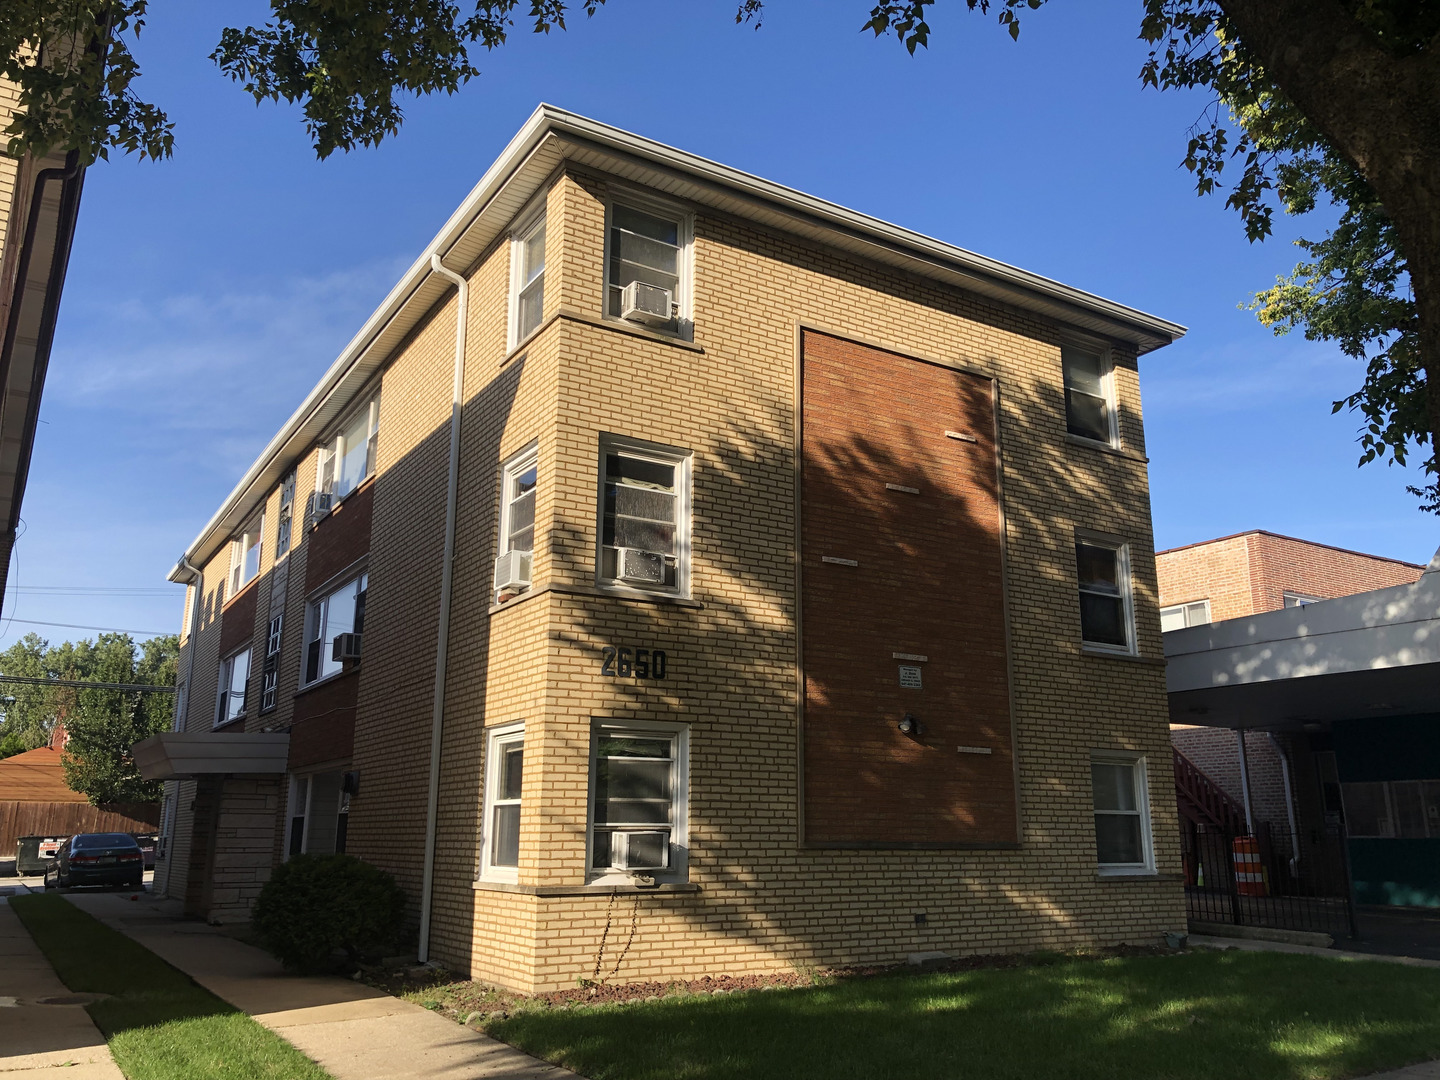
87, 685
89, 590
102, 629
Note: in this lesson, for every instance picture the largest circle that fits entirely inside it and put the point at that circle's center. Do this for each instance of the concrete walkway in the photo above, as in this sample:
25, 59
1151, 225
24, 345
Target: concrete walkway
353, 1031
36, 1037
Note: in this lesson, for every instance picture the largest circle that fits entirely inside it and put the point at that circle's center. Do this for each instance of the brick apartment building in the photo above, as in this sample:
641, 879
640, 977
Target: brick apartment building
674, 550
1312, 745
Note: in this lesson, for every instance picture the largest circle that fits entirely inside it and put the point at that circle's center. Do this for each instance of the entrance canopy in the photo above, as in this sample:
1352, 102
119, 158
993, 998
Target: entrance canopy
184, 755
1373, 654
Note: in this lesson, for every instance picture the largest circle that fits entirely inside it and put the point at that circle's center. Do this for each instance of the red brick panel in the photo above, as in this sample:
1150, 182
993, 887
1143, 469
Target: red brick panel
324, 725
340, 537
237, 621
927, 581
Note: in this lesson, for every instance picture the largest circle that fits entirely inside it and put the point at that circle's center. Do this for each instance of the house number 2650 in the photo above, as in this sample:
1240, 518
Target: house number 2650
621, 661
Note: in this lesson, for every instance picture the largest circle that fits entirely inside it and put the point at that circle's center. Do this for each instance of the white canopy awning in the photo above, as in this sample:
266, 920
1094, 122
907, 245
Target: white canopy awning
183, 755
1368, 655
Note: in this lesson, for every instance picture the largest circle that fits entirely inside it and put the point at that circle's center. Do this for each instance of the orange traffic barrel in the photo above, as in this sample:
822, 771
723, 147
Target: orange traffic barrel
1249, 874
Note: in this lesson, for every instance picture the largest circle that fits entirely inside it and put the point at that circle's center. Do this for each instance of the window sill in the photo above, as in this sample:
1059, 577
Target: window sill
327, 680
609, 594
583, 890
1105, 448
620, 326
1133, 875
1133, 658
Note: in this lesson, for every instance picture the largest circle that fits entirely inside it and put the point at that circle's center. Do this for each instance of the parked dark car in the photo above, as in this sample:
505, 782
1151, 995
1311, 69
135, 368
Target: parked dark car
147, 842
105, 859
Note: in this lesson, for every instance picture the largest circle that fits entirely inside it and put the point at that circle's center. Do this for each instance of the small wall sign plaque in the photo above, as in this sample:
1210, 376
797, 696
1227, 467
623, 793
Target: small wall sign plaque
909, 677
628, 662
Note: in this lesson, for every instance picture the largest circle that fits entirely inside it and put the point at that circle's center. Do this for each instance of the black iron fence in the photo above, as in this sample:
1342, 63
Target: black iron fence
1261, 881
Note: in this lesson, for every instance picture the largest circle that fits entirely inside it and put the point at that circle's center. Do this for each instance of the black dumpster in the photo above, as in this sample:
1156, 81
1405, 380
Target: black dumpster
34, 854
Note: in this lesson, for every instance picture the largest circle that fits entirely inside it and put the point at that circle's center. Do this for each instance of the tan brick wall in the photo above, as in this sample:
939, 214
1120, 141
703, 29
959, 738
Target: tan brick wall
1250, 573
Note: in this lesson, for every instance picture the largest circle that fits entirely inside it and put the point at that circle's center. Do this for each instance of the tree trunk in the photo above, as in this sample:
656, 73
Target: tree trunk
1381, 111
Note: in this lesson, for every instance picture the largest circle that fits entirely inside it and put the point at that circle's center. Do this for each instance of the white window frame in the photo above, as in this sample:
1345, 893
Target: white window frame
317, 613
1292, 599
679, 734
1141, 777
285, 523
685, 262
1107, 386
270, 671
683, 461
332, 449
1184, 610
222, 688
1127, 595
496, 739
252, 536
518, 239
518, 464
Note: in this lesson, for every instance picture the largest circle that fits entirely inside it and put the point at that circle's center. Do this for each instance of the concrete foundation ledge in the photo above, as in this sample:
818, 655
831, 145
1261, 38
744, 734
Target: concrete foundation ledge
1262, 933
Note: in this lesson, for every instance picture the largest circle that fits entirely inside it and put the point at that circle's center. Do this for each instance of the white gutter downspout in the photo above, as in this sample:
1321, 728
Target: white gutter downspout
198, 583
442, 642
1289, 803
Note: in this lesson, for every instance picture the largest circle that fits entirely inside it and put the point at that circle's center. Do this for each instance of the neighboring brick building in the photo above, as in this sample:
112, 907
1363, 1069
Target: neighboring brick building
1259, 571
799, 585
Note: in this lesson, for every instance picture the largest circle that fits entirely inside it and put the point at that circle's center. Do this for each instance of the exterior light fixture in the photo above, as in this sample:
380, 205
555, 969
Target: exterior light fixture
910, 726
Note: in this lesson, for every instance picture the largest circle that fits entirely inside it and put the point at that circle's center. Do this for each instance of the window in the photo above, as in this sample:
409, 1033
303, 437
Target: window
1106, 618
517, 513
1179, 616
1089, 406
638, 778
349, 458
299, 804
500, 826
644, 516
653, 249
1122, 815
270, 679
527, 287
245, 555
1393, 809
234, 673
1294, 599
287, 516
341, 612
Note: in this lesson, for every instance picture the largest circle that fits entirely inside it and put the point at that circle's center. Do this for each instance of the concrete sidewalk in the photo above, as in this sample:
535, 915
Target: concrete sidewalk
353, 1031
36, 1036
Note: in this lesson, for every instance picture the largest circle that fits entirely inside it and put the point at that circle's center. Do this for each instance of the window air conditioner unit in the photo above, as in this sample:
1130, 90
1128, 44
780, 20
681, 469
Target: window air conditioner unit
512, 570
645, 303
639, 567
629, 851
346, 647
321, 503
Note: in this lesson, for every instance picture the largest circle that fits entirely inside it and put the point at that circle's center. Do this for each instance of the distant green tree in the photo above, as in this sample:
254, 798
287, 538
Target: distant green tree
104, 724
28, 713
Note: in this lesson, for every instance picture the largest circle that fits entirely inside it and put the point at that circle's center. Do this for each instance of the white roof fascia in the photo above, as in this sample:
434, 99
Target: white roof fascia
417, 291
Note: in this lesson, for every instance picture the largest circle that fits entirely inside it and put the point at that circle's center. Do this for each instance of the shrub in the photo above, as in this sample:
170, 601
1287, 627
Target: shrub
315, 904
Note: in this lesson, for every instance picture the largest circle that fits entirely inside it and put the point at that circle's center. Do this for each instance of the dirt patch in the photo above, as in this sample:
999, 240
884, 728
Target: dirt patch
476, 1003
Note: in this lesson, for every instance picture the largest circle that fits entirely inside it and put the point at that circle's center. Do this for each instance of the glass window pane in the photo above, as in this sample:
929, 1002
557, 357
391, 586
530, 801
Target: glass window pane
511, 769
339, 619
649, 503
1197, 614
522, 513
1084, 371
533, 254
632, 812
1409, 807
1087, 416
532, 308
1366, 812
600, 849
637, 472
647, 225
1099, 567
630, 746
355, 453
505, 836
1172, 618
645, 535
621, 778
1117, 838
1102, 619
1114, 785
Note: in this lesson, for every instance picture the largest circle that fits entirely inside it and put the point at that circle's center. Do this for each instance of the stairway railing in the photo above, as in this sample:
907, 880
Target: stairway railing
1210, 800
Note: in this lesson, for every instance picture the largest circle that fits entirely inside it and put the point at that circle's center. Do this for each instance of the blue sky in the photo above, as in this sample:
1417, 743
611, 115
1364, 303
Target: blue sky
207, 293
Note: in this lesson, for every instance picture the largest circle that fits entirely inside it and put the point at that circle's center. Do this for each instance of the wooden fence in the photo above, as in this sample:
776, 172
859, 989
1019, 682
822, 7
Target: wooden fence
19, 819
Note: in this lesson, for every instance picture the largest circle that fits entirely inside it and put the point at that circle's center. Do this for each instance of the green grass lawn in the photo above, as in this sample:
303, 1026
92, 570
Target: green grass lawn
159, 1023
1194, 1016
